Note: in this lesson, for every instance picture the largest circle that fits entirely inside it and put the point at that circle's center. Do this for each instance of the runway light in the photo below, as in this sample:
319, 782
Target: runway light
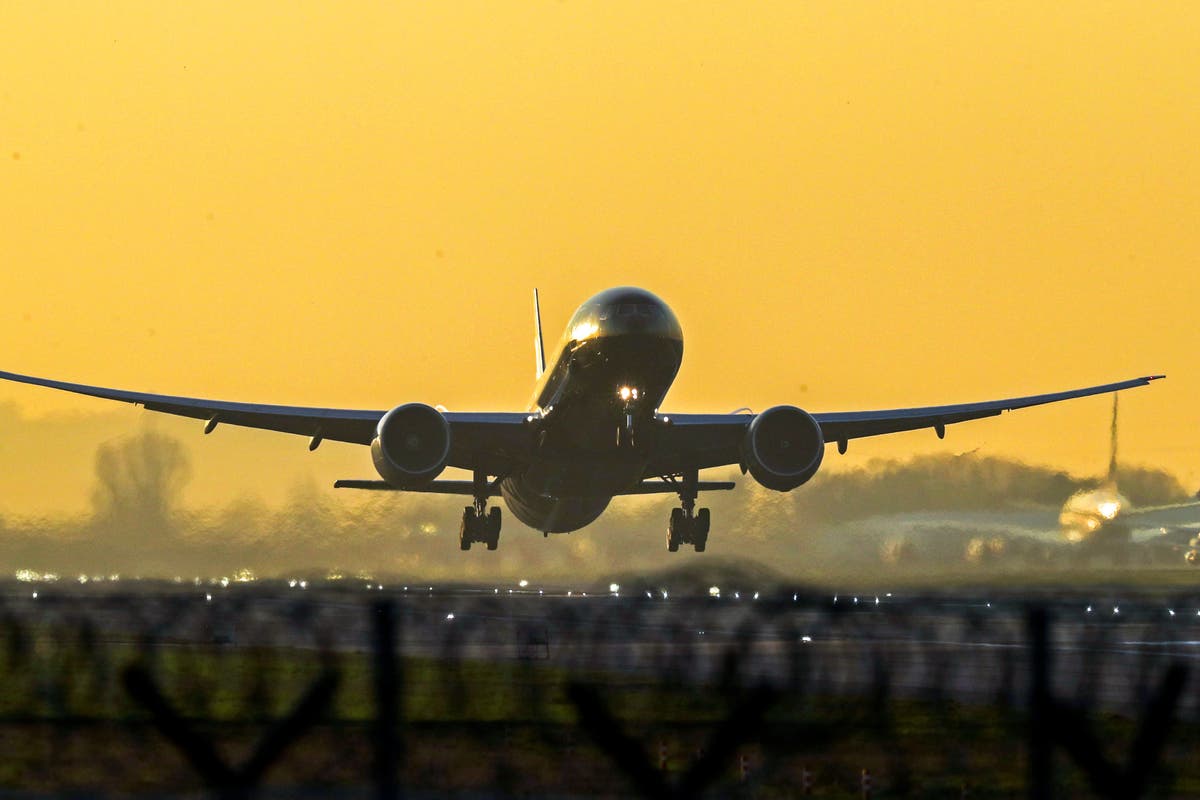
1089, 610
737, 596
856, 601
35, 595
1116, 609
876, 599
523, 583
303, 584
756, 595
450, 616
989, 605
207, 598
568, 592
664, 594
614, 587
1171, 611
835, 599
649, 596
714, 591
806, 639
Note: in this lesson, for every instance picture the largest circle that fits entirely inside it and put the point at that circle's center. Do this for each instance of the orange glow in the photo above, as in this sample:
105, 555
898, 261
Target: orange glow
849, 206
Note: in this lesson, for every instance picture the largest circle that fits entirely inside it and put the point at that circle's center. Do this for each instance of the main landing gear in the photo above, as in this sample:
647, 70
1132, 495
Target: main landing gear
479, 523
688, 525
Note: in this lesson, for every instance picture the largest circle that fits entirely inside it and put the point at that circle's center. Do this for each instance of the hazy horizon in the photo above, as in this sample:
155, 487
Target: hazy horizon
140, 521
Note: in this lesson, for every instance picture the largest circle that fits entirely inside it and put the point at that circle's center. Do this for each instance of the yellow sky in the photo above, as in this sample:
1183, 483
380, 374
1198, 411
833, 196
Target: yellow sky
849, 205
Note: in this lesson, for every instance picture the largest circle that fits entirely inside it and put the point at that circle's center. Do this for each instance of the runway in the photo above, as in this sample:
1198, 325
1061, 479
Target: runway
1107, 649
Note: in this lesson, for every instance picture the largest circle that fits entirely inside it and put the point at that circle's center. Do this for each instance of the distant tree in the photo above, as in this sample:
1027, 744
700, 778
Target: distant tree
139, 481
1149, 486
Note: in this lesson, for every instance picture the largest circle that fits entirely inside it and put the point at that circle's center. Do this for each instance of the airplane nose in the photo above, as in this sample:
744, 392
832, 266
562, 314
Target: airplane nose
624, 319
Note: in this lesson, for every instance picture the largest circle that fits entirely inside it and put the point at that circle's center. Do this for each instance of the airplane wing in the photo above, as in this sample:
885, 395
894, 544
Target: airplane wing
1172, 516
492, 442
713, 440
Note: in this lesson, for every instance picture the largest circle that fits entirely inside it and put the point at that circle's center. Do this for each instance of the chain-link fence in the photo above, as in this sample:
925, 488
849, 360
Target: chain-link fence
364, 691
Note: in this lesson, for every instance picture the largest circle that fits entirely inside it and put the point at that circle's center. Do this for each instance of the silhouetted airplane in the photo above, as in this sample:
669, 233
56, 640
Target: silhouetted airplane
593, 430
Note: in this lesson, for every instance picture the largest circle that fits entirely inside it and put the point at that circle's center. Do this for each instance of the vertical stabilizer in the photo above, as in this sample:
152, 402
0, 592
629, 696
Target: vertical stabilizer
539, 350
1112, 446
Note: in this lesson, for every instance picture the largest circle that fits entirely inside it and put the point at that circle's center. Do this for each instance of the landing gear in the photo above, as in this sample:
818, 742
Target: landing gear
479, 523
687, 529
688, 525
625, 431
479, 527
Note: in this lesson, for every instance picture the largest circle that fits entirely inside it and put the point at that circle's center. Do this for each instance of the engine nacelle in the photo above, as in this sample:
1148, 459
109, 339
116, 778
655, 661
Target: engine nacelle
411, 445
783, 448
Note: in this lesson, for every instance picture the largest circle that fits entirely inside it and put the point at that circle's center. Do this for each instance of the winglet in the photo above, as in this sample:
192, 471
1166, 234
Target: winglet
539, 351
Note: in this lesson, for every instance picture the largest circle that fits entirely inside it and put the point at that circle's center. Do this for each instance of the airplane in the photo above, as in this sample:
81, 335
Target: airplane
1104, 517
592, 431
1093, 516
1091, 522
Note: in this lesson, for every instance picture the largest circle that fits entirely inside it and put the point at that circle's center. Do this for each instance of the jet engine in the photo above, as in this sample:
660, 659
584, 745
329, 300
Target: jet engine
411, 445
783, 448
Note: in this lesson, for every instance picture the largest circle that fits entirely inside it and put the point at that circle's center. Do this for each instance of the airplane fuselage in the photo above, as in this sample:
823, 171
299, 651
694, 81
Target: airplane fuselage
595, 405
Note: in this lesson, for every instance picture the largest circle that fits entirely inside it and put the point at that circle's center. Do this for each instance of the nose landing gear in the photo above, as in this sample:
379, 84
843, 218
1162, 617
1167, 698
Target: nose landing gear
479, 523
688, 525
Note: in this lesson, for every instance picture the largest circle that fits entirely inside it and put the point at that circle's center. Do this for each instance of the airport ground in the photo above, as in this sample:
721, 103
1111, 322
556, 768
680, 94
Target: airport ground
507, 690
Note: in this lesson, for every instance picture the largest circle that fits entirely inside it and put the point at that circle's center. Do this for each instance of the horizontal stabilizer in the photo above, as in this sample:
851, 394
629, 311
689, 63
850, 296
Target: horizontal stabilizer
663, 487
467, 488
437, 487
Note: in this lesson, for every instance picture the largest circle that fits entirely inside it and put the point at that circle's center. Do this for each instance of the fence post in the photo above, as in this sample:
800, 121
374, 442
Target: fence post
387, 744
1040, 756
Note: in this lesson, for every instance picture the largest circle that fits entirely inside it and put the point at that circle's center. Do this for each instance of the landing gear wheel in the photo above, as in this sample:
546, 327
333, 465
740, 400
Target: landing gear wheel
479, 523
700, 530
493, 528
675, 529
465, 530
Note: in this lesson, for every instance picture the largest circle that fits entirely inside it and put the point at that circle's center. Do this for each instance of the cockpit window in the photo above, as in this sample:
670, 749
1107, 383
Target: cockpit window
644, 310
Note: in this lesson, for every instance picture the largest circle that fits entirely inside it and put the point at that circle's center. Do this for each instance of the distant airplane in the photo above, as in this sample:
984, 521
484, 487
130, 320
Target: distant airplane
1099, 521
1104, 516
1093, 515
593, 430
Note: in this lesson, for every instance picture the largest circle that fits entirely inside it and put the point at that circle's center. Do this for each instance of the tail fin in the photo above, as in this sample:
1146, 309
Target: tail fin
1112, 447
539, 350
